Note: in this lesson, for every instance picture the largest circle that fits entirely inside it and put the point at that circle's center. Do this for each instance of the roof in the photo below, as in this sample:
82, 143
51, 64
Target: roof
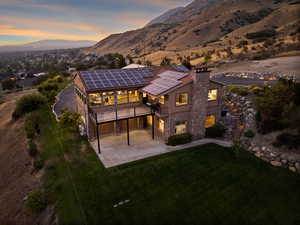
124, 78
166, 81
132, 66
117, 78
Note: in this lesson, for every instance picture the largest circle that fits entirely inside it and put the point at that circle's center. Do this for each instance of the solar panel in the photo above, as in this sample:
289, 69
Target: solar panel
115, 78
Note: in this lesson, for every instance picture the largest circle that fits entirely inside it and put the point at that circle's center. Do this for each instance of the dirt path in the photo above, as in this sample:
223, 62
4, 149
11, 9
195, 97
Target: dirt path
286, 65
15, 166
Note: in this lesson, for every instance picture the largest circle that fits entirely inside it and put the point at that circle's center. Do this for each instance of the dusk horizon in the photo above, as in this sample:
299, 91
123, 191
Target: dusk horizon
23, 22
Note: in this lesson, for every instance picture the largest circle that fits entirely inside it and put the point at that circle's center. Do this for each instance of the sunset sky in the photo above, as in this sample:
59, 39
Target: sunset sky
24, 21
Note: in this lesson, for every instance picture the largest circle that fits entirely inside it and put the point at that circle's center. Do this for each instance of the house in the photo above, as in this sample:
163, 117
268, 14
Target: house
164, 100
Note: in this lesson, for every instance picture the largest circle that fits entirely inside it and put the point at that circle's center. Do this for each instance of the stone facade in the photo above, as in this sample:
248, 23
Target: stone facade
199, 103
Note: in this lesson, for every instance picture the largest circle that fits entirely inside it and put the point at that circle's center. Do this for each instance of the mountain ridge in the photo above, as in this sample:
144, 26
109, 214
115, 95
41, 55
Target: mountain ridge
51, 44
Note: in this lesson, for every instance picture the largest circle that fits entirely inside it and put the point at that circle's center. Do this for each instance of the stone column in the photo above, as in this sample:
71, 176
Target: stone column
199, 102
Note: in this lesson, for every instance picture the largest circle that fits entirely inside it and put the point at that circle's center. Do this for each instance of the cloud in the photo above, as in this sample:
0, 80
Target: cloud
34, 33
48, 23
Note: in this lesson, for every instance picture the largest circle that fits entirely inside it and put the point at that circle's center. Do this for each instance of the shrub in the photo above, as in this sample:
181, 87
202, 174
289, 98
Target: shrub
38, 163
215, 131
28, 103
69, 121
36, 201
237, 89
29, 129
32, 148
179, 139
249, 134
8, 84
287, 139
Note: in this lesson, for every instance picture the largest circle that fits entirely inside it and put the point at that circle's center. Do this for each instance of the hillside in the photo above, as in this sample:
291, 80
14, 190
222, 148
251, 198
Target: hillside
165, 17
47, 45
204, 23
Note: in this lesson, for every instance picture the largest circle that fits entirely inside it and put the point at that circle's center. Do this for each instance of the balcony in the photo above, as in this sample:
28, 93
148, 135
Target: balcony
110, 114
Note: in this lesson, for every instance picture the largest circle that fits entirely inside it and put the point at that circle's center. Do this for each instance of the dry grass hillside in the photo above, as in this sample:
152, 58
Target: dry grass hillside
210, 27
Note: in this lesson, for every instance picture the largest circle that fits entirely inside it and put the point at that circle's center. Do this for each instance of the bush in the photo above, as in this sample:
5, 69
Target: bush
69, 121
237, 89
8, 84
249, 134
287, 139
32, 148
36, 201
179, 139
215, 131
27, 104
38, 163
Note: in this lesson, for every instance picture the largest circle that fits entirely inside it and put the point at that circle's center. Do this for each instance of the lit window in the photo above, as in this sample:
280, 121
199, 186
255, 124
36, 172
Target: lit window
122, 97
149, 120
212, 95
108, 98
95, 98
182, 99
161, 125
181, 127
210, 121
162, 100
133, 96
144, 95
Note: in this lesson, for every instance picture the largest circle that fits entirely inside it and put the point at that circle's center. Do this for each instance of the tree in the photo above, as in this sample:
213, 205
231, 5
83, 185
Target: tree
148, 63
275, 104
207, 58
186, 62
69, 121
8, 84
166, 61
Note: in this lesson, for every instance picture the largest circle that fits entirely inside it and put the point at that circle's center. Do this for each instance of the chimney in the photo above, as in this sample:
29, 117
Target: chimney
199, 101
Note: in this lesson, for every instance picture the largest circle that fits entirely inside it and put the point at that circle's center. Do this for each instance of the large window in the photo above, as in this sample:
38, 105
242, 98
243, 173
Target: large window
181, 127
122, 97
108, 98
181, 99
212, 95
161, 100
133, 96
210, 121
95, 98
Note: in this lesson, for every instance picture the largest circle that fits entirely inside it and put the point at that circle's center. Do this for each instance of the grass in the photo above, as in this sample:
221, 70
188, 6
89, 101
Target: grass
202, 185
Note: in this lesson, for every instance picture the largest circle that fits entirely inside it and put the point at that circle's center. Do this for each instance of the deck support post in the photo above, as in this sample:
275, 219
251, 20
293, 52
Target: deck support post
153, 126
128, 131
97, 128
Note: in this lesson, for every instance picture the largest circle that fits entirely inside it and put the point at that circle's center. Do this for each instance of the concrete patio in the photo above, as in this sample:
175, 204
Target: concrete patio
115, 151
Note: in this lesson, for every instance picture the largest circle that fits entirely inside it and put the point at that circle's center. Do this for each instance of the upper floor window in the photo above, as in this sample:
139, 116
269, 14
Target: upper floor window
181, 99
133, 96
122, 97
108, 98
161, 100
212, 95
95, 98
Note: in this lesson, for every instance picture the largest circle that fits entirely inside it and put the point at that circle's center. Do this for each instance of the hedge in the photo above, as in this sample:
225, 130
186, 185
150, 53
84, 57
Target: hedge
179, 139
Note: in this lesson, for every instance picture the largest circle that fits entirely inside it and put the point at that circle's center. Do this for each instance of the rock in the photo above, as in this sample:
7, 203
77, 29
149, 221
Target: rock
291, 168
297, 165
264, 148
276, 163
258, 154
284, 161
255, 149
265, 159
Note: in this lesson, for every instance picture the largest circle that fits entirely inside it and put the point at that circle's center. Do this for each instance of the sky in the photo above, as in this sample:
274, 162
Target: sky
23, 21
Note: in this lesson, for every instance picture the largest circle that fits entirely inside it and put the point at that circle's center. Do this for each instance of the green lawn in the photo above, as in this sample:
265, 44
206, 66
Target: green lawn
202, 185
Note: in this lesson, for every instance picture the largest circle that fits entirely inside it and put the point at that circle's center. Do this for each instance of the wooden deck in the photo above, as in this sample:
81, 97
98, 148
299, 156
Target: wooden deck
123, 113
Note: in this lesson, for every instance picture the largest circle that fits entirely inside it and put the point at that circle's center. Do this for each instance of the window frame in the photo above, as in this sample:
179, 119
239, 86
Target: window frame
182, 93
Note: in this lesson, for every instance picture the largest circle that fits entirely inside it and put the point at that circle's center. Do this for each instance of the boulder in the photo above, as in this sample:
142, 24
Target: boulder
276, 163
291, 168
